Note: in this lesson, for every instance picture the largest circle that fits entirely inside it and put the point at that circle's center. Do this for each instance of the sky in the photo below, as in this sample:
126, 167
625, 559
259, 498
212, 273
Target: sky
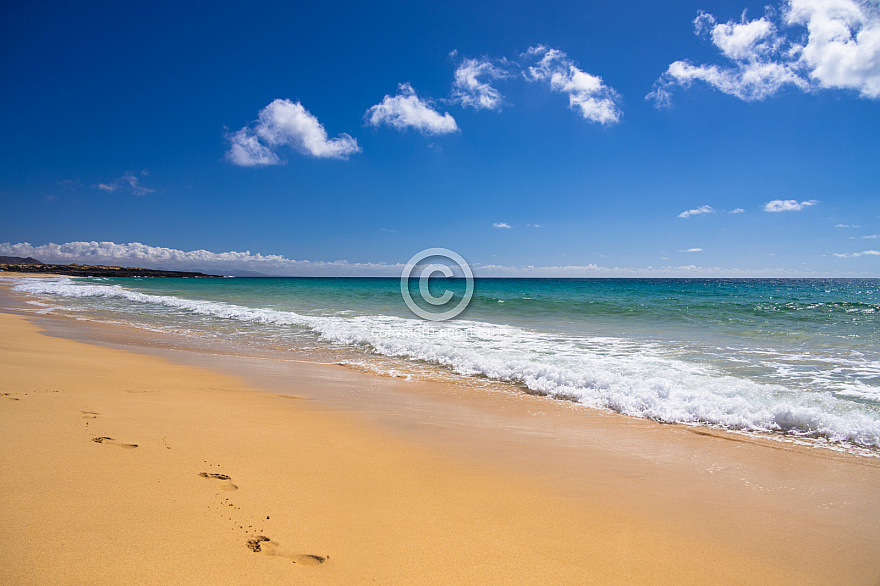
573, 139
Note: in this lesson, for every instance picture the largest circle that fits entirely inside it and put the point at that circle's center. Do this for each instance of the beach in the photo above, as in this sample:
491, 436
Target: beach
163, 465
440, 293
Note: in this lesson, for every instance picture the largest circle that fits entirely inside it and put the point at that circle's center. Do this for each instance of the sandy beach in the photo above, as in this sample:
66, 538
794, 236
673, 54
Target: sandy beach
440, 293
124, 467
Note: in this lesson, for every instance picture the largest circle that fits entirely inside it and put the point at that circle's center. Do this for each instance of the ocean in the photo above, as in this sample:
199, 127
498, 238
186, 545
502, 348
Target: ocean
795, 359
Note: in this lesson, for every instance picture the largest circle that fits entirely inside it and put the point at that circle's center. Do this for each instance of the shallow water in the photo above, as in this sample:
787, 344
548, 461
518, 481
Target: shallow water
799, 357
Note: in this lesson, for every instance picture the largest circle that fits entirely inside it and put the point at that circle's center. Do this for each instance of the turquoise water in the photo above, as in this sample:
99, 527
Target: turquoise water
793, 357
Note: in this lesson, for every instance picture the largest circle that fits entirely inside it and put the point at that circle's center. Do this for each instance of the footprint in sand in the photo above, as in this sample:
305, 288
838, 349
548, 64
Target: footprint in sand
264, 545
110, 440
89, 414
225, 481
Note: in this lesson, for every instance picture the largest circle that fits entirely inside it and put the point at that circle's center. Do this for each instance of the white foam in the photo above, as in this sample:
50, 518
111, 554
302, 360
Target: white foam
626, 376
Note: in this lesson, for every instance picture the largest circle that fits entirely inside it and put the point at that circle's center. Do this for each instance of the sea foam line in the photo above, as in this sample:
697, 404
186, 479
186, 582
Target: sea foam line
600, 372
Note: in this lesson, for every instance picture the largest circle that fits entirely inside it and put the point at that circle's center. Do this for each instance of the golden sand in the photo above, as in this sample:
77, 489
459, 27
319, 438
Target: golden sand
123, 468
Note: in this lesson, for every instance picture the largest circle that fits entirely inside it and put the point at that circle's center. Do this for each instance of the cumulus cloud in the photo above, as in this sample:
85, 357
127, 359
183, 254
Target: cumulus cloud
246, 150
692, 250
697, 211
857, 254
407, 110
471, 85
501, 225
587, 94
737, 211
739, 41
843, 44
807, 45
128, 181
285, 123
750, 82
788, 205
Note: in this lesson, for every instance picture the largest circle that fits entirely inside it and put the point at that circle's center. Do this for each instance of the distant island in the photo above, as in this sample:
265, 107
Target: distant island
16, 264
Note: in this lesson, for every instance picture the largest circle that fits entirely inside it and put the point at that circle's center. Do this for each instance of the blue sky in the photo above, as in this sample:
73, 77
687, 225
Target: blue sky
573, 138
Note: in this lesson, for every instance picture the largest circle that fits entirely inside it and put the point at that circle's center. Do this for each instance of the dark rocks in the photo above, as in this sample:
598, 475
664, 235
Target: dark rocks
91, 270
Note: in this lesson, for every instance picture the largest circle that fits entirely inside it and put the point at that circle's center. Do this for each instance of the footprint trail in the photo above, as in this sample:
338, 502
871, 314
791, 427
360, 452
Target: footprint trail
111, 441
225, 481
264, 545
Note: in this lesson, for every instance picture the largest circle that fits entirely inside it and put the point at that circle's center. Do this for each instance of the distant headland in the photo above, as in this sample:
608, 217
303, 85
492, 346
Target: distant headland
15, 264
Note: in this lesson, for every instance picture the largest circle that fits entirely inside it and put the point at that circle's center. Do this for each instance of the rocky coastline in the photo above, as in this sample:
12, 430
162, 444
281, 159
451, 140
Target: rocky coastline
75, 270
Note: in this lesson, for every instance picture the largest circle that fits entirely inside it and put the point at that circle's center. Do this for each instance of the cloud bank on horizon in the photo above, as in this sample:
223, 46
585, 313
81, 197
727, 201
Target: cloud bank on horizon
248, 264
158, 257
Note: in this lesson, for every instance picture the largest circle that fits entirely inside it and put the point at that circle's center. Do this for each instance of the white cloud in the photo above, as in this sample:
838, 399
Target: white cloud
788, 205
407, 110
750, 82
501, 225
843, 45
846, 226
823, 44
587, 94
129, 181
143, 255
692, 250
870, 237
737, 211
858, 254
740, 41
246, 150
286, 123
470, 89
697, 211
751, 45
534, 226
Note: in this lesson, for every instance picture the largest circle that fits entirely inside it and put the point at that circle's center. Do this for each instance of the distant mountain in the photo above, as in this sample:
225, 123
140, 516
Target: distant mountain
17, 260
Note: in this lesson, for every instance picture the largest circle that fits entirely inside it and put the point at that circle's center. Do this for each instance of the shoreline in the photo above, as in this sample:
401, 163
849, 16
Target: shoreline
145, 339
669, 497
696, 357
